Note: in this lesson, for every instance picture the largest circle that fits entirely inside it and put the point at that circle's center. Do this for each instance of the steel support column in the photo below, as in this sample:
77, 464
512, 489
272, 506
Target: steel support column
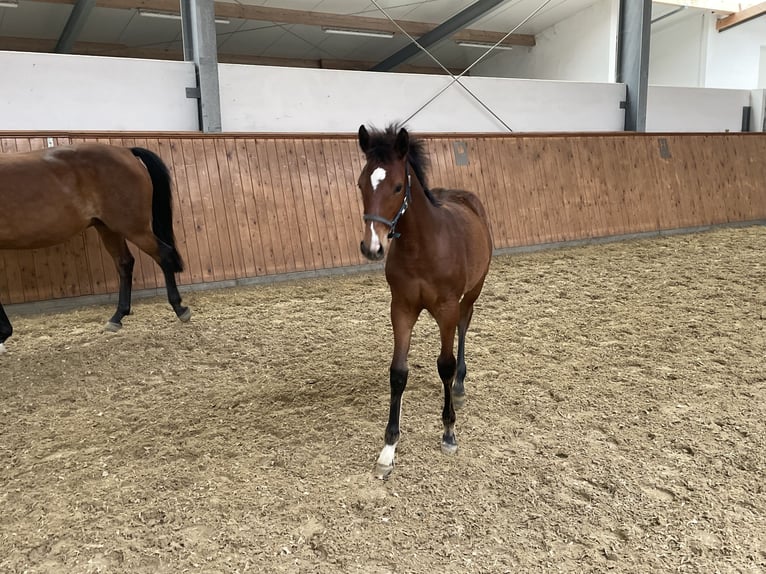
77, 18
441, 32
199, 41
633, 59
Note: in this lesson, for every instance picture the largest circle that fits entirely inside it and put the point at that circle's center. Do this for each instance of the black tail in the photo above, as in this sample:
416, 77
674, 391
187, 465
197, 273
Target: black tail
162, 204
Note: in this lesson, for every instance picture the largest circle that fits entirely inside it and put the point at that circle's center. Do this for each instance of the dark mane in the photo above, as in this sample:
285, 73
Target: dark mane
382, 150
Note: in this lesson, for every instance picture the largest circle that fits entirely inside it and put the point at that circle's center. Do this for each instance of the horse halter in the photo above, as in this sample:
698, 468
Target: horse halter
392, 234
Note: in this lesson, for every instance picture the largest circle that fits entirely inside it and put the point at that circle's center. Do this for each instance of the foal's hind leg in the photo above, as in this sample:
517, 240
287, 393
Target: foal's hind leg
6, 330
124, 261
447, 319
466, 313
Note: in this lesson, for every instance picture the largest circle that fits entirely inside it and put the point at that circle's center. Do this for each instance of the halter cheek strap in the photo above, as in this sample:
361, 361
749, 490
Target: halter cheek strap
392, 234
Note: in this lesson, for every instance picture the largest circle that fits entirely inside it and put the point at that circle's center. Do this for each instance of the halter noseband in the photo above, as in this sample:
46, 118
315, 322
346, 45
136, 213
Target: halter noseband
392, 234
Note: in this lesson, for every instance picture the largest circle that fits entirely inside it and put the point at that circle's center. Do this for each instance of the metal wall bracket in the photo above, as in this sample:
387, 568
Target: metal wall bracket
461, 153
192, 93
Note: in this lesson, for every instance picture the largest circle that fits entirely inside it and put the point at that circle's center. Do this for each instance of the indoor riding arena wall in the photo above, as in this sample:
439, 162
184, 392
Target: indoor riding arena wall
265, 205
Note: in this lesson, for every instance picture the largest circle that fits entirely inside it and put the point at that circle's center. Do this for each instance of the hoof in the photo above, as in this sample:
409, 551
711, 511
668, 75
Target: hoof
449, 444
2, 348
383, 471
112, 327
185, 315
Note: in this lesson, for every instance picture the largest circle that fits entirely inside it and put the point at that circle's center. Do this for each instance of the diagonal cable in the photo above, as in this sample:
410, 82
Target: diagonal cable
438, 63
456, 79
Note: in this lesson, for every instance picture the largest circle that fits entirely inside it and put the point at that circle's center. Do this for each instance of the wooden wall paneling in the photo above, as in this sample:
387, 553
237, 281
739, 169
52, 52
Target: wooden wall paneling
247, 179
225, 246
559, 171
491, 190
438, 162
622, 183
350, 164
312, 204
294, 206
228, 147
664, 171
520, 189
274, 209
229, 206
337, 235
752, 178
196, 177
284, 214
262, 201
340, 179
539, 200
736, 198
608, 178
727, 202
507, 184
589, 206
187, 233
312, 197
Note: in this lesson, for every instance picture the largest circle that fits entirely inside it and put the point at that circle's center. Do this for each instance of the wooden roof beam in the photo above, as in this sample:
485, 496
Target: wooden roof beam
740, 17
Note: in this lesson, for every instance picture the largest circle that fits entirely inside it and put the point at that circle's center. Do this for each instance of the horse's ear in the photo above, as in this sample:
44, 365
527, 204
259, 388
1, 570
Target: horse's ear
364, 138
402, 145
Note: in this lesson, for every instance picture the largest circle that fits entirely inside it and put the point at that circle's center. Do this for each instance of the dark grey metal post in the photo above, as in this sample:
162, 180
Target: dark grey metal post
633, 59
74, 24
457, 22
199, 40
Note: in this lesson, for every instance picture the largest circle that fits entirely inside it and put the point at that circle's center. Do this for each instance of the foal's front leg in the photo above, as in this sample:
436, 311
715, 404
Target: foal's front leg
447, 319
403, 322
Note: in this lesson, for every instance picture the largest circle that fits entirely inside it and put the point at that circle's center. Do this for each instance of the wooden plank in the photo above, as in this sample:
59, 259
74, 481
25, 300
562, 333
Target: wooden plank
247, 178
273, 199
285, 163
228, 207
337, 235
740, 17
312, 200
263, 200
302, 186
227, 155
197, 199
311, 182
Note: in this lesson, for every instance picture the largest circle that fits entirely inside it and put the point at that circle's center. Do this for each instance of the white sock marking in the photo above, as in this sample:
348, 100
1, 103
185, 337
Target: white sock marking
2, 349
378, 175
386, 458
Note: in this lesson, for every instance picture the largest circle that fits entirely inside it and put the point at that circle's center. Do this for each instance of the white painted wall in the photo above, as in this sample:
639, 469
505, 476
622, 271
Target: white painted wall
734, 55
677, 50
66, 92
270, 99
687, 50
671, 109
581, 48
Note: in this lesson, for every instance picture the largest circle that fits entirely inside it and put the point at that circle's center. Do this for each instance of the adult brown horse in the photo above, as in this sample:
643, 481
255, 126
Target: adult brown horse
437, 260
48, 196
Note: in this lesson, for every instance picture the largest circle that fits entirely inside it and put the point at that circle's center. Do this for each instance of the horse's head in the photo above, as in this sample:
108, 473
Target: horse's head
385, 186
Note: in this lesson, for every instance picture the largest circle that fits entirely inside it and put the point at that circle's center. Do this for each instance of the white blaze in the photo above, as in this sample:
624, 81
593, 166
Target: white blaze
376, 177
374, 239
